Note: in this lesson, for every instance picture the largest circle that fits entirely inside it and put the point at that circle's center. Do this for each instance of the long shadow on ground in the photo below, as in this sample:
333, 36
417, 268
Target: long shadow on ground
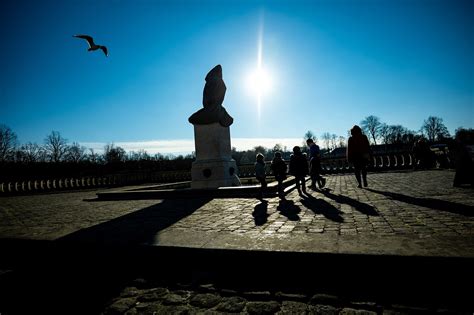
319, 206
359, 206
260, 214
289, 209
431, 203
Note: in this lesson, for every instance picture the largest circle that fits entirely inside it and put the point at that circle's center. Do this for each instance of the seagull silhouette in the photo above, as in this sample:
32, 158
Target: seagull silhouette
92, 45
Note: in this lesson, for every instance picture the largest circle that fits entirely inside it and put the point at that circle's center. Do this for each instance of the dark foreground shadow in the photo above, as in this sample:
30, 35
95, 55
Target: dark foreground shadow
359, 206
260, 214
289, 210
431, 203
319, 206
138, 227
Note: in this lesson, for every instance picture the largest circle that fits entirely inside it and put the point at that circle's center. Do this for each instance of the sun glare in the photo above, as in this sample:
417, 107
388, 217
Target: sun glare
259, 82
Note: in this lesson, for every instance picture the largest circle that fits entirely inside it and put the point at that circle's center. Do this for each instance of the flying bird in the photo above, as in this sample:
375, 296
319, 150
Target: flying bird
92, 45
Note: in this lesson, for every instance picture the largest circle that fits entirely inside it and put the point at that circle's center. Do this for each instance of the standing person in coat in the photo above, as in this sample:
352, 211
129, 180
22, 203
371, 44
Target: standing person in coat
358, 153
279, 171
299, 169
315, 165
260, 174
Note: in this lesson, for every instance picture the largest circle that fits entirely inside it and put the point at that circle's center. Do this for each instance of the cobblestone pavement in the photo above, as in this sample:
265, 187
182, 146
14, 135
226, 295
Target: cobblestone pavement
421, 203
143, 298
400, 213
398, 206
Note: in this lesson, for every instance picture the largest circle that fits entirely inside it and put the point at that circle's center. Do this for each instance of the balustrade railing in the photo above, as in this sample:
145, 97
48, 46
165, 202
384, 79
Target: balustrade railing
329, 165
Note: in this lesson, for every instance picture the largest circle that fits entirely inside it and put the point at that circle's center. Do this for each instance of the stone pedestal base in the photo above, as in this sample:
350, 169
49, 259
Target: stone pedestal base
214, 166
214, 174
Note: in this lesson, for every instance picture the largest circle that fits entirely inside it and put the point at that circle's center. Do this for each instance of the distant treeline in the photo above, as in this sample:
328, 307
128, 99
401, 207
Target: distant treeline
56, 157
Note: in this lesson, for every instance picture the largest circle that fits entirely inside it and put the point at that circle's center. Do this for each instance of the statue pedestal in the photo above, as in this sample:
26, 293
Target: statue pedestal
214, 166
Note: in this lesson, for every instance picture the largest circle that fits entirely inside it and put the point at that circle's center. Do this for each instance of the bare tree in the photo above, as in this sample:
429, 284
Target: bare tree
75, 153
277, 148
308, 135
55, 146
139, 155
113, 154
31, 152
342, 142
434, 128
395, 133
327, 139
391, 134
371, 125
260, 149
8, 143
93, 157
333, 141
384, 132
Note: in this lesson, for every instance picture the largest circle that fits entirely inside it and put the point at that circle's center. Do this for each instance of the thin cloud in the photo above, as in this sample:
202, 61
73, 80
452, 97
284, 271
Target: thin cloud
185, 146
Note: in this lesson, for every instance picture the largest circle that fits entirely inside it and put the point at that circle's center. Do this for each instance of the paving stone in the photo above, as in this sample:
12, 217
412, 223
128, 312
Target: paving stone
174, 299
132, 311
293, 307
233, 304
322, 310
120, 306
205, 300
130, 291
261, 308
154, 294
428, 211
174, 310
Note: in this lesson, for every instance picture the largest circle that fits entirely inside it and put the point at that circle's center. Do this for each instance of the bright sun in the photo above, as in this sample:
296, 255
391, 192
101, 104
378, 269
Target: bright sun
259, 82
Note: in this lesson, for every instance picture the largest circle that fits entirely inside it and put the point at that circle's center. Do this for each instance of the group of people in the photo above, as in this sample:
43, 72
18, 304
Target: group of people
358, 153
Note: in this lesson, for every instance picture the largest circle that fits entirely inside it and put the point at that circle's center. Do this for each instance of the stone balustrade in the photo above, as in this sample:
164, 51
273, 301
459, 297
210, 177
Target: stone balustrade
329, 165
91, 182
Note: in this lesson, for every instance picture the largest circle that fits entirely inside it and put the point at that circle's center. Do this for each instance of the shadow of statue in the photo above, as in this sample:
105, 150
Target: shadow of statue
436, 204
139, 227
319, 206
289, 209
359, 206
260, 214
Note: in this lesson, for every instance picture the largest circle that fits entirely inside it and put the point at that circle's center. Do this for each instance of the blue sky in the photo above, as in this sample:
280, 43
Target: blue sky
331, 63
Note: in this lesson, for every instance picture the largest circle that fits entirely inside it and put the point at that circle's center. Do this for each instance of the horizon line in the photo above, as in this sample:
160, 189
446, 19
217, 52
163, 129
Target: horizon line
186, 146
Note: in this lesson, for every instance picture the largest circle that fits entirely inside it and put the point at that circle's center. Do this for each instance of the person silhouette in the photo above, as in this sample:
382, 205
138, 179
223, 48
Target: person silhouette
279, 171
315, 165
358, 153
260, 174
299, 169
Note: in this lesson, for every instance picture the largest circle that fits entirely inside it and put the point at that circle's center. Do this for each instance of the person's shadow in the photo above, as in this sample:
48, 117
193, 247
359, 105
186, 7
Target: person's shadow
359, 206
289, 210
319, 206
260, 214
431, 203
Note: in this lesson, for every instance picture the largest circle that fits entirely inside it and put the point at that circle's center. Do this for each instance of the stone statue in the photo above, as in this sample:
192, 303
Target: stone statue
213, 96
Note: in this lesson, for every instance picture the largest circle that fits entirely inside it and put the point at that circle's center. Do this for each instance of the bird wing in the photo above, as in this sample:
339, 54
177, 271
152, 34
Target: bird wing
104, 49
89, 39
